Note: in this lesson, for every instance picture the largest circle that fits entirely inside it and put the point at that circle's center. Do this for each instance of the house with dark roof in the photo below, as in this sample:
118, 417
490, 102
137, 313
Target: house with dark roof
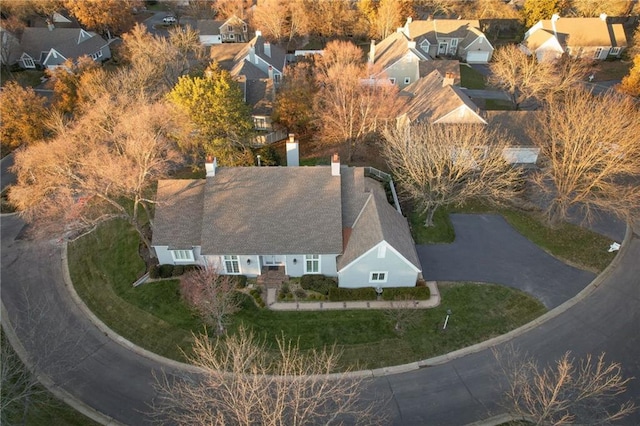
450, 38
435, 99
590, 38
260, 59
50, 47
397, 59
233, 30
331, 220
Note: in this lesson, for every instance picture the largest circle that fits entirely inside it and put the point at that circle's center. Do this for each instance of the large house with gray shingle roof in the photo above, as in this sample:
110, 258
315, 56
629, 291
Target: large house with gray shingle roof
330, 220
260, 59
51, 47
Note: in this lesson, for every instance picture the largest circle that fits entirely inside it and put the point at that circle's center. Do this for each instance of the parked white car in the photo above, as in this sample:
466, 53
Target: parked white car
169, 20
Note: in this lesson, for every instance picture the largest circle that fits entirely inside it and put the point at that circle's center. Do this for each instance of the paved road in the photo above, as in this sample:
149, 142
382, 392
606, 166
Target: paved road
6, 178
488, 249
114, 380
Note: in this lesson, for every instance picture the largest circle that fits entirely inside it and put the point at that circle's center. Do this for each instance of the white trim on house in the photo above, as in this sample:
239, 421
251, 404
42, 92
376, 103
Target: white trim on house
378, 277
424, 45
182, 255
27, 61
231, 264
312, 260
615, 51
460, 110
53, 53
396, 252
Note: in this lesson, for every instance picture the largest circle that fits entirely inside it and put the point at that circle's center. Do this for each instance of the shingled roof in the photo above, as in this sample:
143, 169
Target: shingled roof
272, 210
586, 32
178, 214
441, 28
69, 42
392, 49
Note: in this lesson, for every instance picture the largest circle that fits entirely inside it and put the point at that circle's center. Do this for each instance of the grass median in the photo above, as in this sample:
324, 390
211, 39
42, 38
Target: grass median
104, 264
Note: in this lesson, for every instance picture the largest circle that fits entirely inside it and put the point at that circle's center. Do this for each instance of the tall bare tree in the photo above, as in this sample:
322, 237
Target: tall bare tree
349, 107
212, 295
438, 165
244, 383
101, 167
526, 79
569, 391
587, 164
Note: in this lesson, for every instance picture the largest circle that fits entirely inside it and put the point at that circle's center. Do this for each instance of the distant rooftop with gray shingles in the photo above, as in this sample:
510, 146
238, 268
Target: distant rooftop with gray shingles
272, 210
178, 217
378, 222
392, 49
520, 125
70, 42
209, 26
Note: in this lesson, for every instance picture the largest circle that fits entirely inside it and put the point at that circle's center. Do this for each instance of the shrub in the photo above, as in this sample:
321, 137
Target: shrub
154, 272
410, 293
177, 271
300, 293
166, 271
318, 283
240, 281
338, 294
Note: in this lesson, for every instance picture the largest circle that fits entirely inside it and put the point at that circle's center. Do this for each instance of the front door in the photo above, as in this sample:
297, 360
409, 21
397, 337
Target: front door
442, 48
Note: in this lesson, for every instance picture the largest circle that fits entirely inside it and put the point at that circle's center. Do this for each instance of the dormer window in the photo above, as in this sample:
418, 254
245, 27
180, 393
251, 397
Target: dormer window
229, 28
424, 45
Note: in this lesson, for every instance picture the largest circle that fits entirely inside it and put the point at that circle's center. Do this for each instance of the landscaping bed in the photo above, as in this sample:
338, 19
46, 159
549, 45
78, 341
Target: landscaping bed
105, 263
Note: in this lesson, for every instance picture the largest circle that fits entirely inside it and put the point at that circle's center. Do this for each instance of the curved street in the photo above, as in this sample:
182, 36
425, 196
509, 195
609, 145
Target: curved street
107, 378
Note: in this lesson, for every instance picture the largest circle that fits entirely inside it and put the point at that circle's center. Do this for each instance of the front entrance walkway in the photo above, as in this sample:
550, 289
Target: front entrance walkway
432, 302
272, 277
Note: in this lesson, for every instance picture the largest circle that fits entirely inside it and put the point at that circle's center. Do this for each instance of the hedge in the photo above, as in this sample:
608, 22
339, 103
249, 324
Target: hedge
318, 283
410, 293
338, 294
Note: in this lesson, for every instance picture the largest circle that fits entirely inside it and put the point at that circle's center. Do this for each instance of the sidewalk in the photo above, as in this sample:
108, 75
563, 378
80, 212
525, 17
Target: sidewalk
272, 303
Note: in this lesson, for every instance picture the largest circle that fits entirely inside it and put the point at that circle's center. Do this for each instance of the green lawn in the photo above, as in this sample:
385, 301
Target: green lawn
498, 105
573, 244
26, 78
470, 78
105, 263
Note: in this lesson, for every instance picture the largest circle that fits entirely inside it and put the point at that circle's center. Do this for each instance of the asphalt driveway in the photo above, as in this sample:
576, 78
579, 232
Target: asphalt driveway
488, 249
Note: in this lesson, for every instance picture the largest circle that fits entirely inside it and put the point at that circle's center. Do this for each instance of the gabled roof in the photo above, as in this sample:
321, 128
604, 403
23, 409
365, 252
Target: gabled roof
538, 38
259, 94
585, 32
69, 42
178, 214
272, 210
392, 49
208, 26
520, 125
225, 53
276, 59
428, 100
444, 66
379, 221
440, 28
473, 34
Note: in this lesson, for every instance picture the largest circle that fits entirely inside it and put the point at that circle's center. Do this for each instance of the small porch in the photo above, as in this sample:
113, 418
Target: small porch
272, 276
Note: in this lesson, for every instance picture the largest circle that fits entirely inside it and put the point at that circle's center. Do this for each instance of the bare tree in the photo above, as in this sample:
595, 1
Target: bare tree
101, 167
526, 79
438, 165
244, 383
212, 295
588, 165
403, 314
584, 391
349, 106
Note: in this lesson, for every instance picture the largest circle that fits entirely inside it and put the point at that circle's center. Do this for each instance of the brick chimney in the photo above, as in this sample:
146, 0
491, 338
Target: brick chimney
210, 166
449, 79
293, 151
335, 165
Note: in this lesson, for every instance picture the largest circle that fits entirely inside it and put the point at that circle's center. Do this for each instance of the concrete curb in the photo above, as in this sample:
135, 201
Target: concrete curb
110, 333
46, 381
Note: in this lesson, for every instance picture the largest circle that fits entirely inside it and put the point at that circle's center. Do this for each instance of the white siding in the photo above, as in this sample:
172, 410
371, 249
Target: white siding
165, 258
521, 155
399, 272
208, 40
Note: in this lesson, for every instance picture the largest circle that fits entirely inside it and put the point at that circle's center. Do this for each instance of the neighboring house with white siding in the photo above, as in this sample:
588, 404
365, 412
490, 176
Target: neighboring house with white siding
260, 59
589, 38
329, 220
51, 47
233, 30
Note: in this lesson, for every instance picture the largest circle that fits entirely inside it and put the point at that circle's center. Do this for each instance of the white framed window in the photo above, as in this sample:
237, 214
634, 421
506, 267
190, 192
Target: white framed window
424, 45
407, 80
378, 277
231, 36
392, 80
229, 28
311, 263
454, 42
598, 53
260, 123
276, 78
96, 55
182, 255
614, 51
244, 28
231, 264
382, 252
28, 62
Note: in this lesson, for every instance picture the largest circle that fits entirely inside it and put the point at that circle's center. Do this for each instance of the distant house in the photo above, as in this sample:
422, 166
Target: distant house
590, 38
330, 220
51, 47
260, 59
519, 125
233, 30
450, 38
396, 58
435, 99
